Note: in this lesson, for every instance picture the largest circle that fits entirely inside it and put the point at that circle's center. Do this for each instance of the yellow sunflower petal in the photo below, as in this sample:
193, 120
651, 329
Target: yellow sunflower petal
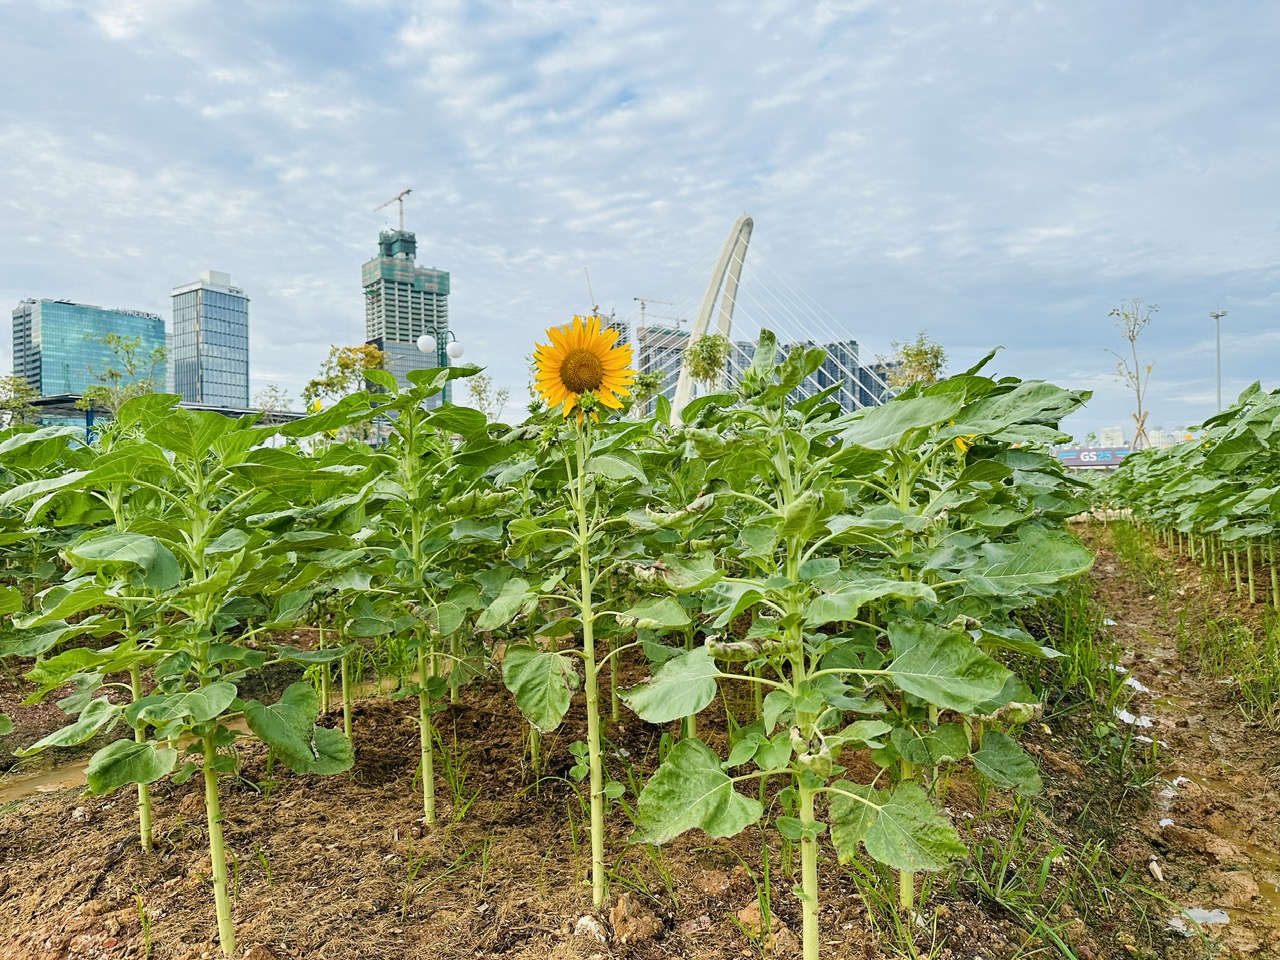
583, 356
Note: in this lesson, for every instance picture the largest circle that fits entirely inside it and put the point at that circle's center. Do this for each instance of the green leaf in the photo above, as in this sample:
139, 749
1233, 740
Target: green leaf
331, 751
95, 716
943, 667
656, 613
515, 592
65, 600
681, 687
948, 742
542, 684
6, 725
159, 565
1003, 762
882, 427
691, 790
10, 600
189, 433
776, 705
55, 437
452, 418
731, 599
848, 598
287, 725
445, 618
200, 705
862, 732
902, 830
1036, 557
146, 408
124, 762
617, 465
34, 488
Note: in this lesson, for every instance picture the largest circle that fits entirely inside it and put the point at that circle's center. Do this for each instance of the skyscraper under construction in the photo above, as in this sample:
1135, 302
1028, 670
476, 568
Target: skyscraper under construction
402, 302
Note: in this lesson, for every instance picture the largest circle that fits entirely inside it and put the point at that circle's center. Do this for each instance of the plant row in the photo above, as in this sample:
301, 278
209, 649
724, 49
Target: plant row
1216, 500
857, 572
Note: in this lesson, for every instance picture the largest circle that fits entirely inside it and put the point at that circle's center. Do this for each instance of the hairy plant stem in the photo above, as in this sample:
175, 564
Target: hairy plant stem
590, 671
323, 692
144, 791
811, 937
217, 851
348, 694
427, 747
455, 650
1275, 581
535, 749
689, 725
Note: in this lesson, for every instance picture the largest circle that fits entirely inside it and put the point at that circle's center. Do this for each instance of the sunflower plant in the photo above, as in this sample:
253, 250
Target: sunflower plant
582, 536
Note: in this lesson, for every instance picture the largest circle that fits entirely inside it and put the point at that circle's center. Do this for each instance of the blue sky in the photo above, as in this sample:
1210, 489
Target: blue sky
995, 172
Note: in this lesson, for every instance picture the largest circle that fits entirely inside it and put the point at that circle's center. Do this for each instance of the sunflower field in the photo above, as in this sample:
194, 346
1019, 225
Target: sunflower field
847, 586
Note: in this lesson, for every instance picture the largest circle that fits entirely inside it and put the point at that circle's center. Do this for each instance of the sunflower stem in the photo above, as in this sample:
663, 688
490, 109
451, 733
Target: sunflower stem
591, 681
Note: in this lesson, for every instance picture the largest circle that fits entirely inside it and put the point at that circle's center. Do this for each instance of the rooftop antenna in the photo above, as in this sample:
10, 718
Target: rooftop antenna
398, 197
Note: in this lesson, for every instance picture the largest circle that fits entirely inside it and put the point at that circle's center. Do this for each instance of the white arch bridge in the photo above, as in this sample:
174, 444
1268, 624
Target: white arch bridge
660, 337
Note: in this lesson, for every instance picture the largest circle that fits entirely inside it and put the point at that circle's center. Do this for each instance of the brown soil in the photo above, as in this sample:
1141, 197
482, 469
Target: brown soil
1210, 823
342, 867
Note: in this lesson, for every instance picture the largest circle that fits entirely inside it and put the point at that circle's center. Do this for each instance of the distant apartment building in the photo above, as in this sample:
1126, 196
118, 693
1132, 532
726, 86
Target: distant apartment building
402, 302
59, 347
210, 353
857, 385
1111, 437
662, 349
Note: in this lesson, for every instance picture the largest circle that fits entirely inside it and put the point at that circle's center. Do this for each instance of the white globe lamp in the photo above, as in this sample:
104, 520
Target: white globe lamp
427, 343
454, 350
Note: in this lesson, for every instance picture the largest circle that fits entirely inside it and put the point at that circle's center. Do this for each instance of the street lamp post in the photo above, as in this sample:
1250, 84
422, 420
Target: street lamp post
428, 344
1217, 316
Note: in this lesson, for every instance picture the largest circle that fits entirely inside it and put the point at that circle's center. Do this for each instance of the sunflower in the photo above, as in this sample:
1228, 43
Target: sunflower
582, 360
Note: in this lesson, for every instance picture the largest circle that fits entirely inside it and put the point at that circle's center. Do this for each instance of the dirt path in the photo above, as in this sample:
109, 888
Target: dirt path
1210, 820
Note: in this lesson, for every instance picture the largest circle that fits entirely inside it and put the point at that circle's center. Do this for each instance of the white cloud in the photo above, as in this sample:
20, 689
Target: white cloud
998, 172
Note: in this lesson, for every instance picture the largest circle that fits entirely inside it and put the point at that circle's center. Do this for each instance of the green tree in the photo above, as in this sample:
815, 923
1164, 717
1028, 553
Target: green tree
16, 396
706, 358
646, 387
343, 373
1133, 317
131, 372
921, 361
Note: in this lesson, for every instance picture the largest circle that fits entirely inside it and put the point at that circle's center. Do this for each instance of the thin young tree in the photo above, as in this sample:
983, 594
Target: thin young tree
484, 397
1133, 317
131, 372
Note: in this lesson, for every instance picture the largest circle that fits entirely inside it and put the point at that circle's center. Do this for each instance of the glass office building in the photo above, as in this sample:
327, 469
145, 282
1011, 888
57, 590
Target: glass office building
402, 301
211, 342
59, 347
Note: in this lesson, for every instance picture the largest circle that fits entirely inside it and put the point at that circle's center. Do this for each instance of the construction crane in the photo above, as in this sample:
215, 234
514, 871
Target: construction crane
398, 197
643, 301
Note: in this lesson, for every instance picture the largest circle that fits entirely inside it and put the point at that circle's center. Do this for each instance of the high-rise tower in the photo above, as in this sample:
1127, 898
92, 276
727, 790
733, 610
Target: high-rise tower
211, 341
402, 302
60, 347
